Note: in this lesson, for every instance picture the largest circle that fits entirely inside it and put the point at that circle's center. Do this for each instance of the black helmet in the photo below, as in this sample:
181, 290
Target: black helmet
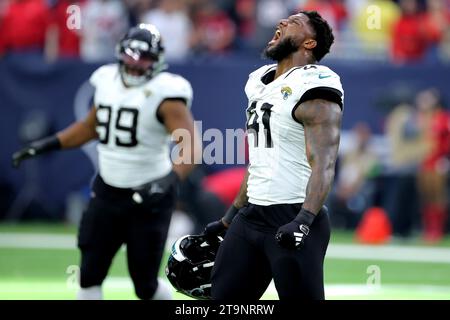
190, 264
141, 48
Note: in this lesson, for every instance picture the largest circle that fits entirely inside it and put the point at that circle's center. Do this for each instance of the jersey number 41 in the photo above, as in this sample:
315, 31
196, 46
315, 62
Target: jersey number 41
253, 123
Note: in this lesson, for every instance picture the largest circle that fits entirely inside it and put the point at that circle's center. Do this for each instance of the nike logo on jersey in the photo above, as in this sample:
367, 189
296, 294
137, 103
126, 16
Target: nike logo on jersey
324, 76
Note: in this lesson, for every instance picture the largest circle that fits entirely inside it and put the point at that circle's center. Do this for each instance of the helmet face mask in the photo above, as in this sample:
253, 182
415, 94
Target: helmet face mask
135, 72
140, 54
190, 264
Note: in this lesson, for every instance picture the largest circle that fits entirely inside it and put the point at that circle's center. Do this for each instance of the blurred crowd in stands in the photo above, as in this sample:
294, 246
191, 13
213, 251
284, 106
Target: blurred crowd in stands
410, 180
401, 31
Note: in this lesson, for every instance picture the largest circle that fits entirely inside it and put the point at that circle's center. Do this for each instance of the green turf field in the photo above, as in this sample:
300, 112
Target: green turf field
28, 271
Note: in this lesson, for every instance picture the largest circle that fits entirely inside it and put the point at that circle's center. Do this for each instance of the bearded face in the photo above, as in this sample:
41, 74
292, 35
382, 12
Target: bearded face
279, 51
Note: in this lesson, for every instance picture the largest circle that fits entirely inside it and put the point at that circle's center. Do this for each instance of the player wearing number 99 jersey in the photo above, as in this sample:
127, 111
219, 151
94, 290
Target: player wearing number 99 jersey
134, 143
137, 106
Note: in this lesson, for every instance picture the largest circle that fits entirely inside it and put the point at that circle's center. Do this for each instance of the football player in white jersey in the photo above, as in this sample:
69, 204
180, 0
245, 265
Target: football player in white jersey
277, 227
137, 106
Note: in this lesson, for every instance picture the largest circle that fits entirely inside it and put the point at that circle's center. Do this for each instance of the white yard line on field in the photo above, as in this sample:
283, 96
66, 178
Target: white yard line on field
332, 291
335, 251
389, 253
37, 241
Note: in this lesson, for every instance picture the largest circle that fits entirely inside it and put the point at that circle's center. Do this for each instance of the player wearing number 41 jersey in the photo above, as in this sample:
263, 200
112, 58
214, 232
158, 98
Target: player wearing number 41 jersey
280, 170
136, 108
277, 227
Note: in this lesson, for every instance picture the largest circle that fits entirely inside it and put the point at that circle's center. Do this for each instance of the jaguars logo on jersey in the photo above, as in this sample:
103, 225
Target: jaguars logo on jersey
286, 92
279, 170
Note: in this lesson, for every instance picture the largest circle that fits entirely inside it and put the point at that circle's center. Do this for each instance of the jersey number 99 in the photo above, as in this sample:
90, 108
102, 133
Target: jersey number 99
104, 125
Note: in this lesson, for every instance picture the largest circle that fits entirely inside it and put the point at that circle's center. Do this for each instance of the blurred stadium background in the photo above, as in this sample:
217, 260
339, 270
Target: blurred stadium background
389, 206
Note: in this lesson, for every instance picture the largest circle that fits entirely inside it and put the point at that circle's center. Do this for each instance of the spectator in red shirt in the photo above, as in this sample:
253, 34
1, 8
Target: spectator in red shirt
67, 37
409, 40
334, 11
436, 20
433, 173
214, 31
24, 26
245, 11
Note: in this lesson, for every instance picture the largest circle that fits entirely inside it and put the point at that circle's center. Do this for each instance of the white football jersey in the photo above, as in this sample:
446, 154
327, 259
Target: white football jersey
133, 144
279, 170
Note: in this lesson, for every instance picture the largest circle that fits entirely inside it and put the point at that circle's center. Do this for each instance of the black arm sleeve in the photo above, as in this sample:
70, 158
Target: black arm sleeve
325, 93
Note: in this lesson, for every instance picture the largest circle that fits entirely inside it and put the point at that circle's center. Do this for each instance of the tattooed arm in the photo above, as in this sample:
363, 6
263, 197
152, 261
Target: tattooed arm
322, 121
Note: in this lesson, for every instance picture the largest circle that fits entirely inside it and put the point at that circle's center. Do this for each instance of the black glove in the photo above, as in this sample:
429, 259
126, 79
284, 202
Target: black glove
293, 234
36, 148
218, 228
155, 190
215, 228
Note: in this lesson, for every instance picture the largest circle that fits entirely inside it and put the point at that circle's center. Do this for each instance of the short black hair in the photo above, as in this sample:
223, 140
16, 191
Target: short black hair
324, 34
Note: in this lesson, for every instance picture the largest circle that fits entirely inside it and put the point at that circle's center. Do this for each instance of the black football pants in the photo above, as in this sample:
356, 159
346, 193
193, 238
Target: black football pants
112, 219
249, 257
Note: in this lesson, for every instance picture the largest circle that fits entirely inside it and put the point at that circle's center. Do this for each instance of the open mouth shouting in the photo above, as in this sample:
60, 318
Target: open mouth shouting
275, 38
